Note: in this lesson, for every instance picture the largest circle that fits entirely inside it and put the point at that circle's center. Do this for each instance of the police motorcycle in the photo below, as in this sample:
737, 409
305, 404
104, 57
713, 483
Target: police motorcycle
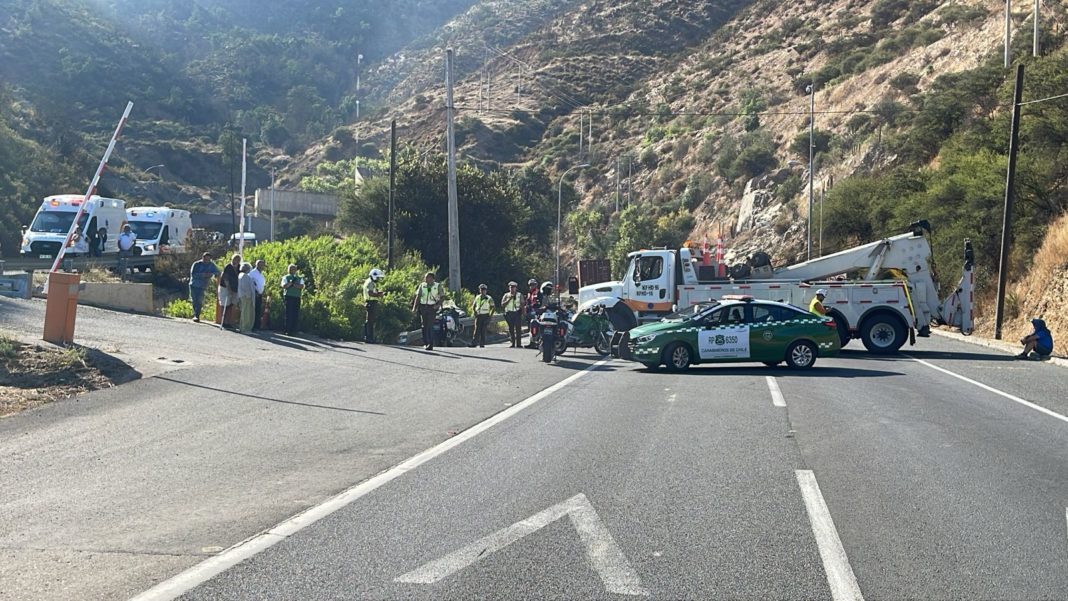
447, 326
553, 330
591, 327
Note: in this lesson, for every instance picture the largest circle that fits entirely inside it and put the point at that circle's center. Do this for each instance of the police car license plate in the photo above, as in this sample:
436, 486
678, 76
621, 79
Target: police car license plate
44, 256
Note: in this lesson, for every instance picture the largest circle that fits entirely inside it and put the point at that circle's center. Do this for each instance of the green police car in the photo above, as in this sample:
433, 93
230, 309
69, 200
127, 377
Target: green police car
734, 330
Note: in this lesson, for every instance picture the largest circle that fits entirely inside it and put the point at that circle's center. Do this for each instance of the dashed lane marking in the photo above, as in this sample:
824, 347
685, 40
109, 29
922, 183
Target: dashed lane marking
776, 394
840, 576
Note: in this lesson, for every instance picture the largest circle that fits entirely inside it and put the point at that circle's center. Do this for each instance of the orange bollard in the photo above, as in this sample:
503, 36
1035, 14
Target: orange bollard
61, 309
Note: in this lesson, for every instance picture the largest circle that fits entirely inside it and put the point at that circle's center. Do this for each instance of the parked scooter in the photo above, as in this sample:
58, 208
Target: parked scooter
591, 328
553, 332
447, 326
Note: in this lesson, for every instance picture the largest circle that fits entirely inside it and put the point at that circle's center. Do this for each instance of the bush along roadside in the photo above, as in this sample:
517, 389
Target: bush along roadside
334, 272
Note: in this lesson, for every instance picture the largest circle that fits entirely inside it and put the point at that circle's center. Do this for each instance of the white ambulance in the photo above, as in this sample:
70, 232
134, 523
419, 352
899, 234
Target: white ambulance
160, 230
101, 221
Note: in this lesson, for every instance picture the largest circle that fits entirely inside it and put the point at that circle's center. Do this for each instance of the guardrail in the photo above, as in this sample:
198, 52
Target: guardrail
72, 263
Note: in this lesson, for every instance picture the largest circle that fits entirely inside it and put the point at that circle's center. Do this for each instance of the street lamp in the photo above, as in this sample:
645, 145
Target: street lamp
359, 58
559, 213
153, 167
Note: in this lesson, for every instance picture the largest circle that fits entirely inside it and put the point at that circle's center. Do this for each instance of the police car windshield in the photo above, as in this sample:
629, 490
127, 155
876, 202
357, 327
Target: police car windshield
53, 222
697, 310
146, 230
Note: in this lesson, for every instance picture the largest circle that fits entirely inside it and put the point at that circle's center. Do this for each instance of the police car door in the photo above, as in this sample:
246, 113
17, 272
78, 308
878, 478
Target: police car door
725, 335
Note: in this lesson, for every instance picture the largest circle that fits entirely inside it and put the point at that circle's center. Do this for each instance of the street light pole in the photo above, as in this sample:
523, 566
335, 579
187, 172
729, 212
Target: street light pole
811, 165
559, 214
154, 167
359, 57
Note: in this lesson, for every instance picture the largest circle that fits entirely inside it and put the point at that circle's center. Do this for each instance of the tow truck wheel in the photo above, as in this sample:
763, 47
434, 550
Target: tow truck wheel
801, 355
622, 318
883, 333
677, 357
843, 329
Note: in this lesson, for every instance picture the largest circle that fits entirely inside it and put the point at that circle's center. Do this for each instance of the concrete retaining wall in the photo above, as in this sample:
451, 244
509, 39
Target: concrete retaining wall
129, 297
17, 285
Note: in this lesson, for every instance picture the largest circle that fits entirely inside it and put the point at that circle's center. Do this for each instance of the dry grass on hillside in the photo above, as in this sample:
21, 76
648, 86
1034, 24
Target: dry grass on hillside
1043, 292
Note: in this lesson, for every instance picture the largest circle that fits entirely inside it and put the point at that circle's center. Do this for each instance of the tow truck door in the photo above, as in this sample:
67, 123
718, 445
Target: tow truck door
650, 288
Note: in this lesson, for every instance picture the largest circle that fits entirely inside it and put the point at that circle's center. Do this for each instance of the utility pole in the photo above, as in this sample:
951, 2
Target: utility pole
617, 185
1008, 31
589, 138
454, 214
1010, 183
359, 57
272, 204
244, 155
811, 164
580, 135
1036, 44
392, 187
630, 181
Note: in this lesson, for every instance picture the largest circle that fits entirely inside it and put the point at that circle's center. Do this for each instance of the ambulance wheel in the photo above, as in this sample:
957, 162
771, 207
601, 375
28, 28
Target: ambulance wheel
677, 357
801, 355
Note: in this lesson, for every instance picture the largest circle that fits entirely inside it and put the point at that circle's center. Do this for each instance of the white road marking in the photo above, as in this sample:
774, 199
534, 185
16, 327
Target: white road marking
1011, 397
840, 576
178, 585
776, 394
605, 555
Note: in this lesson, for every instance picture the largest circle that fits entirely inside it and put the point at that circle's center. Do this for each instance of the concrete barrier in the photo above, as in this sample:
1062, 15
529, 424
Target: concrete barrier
17, 285
125, 296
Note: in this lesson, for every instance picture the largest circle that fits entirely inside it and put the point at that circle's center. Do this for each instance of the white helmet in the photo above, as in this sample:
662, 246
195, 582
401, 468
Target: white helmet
377, 274
546, 287
821, 292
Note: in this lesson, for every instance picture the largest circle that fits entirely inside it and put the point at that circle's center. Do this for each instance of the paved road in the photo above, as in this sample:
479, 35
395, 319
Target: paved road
881, 478
934, 488
105, 495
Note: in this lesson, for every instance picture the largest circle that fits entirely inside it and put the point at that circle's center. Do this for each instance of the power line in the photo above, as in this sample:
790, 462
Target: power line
1057, 97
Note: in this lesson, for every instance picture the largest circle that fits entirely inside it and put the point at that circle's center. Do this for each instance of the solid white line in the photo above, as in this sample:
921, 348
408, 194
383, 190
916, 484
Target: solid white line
776, 394
1011, 397
840, 576
178, 585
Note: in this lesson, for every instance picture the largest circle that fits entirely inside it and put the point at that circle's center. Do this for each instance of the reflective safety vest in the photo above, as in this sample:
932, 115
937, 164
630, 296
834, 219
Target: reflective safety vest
369, 289
483, 305
511, 302
429, 295
816, 307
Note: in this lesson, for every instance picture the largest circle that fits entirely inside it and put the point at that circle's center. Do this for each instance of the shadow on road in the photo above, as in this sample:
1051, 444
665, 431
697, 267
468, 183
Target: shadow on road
263, 398
926, 354
814, 372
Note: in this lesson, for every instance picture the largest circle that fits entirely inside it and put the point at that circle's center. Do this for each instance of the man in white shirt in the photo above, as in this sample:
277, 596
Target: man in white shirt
127, 239
260, 282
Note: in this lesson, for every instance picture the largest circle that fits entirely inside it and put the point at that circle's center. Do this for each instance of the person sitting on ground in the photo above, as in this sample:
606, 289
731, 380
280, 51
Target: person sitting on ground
1040, 341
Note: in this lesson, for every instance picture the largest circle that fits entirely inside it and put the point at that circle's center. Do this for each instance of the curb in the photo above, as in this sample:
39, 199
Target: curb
997, 345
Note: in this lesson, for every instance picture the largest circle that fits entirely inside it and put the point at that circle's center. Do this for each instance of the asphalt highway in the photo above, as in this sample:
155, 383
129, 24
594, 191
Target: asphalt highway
354, 471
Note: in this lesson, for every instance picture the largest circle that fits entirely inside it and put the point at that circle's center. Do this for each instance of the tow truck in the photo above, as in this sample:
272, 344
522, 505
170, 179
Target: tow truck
883, 293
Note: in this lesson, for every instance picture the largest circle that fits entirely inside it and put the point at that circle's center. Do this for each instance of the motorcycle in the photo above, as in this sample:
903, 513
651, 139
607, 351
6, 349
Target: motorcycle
558, 316
447, 326
553, 332
591, 328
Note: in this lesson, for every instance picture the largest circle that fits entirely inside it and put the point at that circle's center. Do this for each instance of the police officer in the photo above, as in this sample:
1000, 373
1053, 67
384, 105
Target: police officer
371, 294
534, 300
512, 305
425, 303
816, 306
482, 308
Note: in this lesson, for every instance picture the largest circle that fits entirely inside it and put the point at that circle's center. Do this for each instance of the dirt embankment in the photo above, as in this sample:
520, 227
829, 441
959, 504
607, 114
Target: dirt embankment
1042, 293
32, 375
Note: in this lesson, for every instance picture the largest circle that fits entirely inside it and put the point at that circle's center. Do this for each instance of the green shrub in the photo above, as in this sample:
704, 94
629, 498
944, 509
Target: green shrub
8, 348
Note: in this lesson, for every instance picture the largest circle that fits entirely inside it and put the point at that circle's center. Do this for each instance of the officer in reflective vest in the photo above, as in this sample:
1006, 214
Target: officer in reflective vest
512, 305
482, 308
816, 306
371, 295
425, 303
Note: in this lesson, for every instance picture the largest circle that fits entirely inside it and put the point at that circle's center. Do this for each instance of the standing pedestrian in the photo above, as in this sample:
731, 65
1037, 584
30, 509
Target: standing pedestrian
127, 240
534, 300
246, 298
228, 292
426, 302
292, 288
482, 308
371, 294
201, 273
512, 305
260, 282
